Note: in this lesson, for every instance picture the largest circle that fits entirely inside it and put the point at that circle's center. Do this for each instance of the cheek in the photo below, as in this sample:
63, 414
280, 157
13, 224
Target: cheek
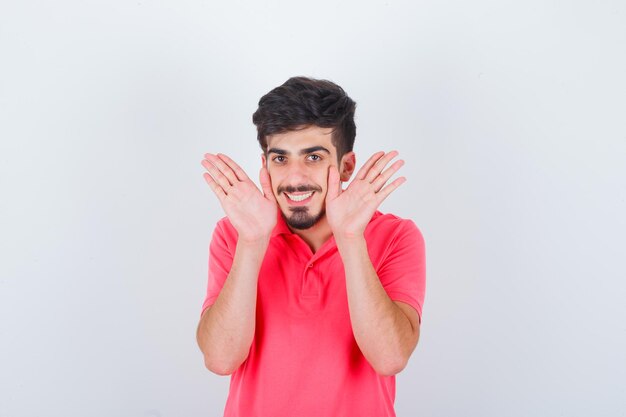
274, 180
322, 177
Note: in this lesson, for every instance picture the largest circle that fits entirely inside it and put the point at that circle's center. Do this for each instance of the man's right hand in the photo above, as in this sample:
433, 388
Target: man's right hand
251, 212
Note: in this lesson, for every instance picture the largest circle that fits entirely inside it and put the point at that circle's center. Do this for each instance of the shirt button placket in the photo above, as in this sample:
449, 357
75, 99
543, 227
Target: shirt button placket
308, 283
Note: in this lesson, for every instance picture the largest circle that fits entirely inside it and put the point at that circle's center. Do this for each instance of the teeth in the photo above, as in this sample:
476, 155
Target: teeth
300, 197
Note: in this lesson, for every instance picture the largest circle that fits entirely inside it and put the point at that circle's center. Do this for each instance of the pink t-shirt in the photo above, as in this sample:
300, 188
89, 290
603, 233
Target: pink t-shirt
304, 360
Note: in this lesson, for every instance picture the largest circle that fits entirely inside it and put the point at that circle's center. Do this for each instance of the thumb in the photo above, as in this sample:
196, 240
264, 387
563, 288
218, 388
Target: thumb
266, 184
334, 185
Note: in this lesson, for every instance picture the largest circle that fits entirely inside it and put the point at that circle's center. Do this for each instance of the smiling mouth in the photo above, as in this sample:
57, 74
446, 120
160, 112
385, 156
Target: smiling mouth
299, 197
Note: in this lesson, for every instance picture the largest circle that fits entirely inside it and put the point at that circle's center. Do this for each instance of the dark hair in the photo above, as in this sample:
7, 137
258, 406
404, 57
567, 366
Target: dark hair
302, 102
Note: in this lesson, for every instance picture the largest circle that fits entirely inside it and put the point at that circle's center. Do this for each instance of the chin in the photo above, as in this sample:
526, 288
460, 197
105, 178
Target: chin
301, 219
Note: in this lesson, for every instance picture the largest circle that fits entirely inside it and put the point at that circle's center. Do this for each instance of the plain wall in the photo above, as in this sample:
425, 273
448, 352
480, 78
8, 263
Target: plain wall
510, 117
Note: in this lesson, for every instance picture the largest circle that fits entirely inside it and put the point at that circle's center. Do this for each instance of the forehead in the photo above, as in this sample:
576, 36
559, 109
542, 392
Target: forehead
295, 140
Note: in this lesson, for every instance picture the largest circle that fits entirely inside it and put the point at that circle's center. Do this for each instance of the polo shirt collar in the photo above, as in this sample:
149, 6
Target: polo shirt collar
281, 226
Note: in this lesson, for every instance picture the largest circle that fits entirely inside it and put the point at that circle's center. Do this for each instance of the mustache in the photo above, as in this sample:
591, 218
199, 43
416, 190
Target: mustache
299, 188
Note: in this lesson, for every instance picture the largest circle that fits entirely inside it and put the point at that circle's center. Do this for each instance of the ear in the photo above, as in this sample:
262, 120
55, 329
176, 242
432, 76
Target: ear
347, 165
263, 160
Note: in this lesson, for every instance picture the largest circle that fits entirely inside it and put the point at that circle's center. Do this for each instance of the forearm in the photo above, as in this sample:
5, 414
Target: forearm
226, 330
381, 329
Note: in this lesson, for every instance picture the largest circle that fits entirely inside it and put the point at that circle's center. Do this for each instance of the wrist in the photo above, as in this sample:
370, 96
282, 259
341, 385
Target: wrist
254, 241
349, 239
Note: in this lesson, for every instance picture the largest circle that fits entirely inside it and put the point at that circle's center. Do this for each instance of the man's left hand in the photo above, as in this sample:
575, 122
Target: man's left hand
350, 210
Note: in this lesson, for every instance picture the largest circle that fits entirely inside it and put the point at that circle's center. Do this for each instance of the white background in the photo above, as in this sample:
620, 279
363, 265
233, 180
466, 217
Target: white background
511, 119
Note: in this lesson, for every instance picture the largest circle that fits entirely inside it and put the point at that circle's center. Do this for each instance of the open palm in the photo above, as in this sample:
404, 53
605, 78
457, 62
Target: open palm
251, 212
350, 210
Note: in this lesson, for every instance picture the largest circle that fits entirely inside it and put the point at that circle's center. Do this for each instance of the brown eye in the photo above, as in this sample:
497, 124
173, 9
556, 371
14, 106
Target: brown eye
315, 157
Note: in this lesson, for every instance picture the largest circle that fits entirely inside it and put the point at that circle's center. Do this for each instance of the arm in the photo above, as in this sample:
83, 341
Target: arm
386, 331
226, 329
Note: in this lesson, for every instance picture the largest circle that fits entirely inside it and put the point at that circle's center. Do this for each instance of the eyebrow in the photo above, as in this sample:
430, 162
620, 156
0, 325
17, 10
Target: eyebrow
302, 151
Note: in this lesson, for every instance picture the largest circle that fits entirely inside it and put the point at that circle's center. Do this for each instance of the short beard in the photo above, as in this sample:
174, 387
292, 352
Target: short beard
301, 219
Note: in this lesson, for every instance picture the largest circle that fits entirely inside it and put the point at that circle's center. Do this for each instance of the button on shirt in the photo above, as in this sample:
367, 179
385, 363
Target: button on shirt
304, 360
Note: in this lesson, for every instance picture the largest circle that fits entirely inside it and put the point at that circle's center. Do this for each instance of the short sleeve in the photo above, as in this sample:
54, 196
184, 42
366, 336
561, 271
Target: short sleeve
403, 271
221, 254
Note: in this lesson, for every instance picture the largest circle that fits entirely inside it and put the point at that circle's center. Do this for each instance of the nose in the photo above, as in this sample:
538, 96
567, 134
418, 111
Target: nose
298, 177
297, 172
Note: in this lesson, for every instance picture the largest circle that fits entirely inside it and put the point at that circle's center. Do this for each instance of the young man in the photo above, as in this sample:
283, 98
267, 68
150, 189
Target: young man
314, 297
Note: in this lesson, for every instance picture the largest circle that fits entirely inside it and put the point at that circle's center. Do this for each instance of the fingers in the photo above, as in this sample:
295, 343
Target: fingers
382, 194
217, 189
218, 177
368, 164
266, 184
386, 174
380, 164
223, 171
220, 171
334, 185
240, 173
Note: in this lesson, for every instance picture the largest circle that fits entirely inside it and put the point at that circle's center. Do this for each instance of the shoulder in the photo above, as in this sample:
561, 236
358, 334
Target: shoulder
387, 226
391, 238
225, 231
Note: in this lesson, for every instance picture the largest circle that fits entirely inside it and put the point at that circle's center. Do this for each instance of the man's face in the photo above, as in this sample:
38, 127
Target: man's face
298, 163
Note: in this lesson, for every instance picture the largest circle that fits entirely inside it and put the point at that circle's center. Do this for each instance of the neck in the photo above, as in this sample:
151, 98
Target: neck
316, 235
